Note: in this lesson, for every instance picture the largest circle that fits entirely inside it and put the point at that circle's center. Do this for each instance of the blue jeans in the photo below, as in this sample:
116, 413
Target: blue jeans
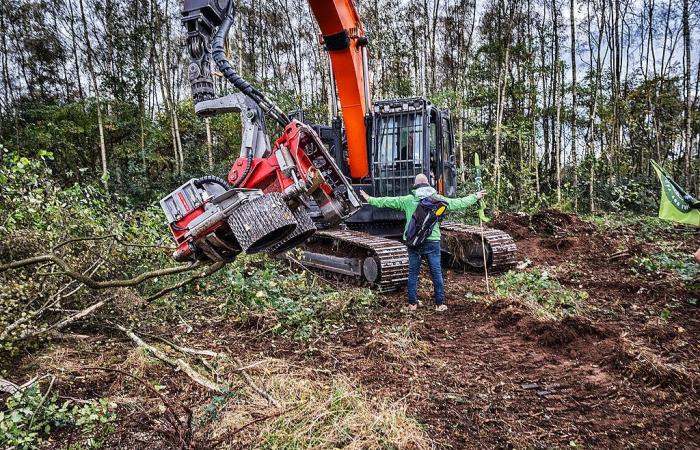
430, 250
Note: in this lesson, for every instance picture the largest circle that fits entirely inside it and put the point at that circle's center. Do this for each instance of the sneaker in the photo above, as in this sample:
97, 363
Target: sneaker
441, 308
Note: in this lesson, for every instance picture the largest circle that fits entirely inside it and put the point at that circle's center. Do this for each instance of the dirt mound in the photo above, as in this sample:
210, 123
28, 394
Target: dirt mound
561, 244
508, 317
546, 223
555, 222
547, 333
560, 333
515, 224
643, 363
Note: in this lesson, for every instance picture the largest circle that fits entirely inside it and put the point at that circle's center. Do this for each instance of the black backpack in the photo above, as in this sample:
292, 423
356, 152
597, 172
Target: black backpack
428, 212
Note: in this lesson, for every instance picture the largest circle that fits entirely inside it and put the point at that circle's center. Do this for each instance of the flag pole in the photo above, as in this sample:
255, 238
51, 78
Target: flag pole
482, 217
483, 251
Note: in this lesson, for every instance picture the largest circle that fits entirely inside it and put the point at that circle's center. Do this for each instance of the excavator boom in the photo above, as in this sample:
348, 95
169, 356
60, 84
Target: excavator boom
346, 43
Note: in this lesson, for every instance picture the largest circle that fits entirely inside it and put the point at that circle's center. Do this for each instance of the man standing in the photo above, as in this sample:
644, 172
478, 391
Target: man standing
430, 248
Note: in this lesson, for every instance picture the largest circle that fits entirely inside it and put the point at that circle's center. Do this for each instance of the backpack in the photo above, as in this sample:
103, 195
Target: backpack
428, 212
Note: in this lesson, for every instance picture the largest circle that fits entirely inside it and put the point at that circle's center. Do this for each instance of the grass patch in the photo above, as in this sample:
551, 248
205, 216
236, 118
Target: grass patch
542, 294
400, 344
317, 413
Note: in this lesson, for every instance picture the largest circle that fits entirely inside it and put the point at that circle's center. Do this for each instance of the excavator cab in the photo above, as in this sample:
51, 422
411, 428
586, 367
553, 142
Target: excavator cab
411, 136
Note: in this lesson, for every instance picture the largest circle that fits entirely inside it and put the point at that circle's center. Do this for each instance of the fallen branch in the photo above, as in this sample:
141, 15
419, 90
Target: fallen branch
191, 351
43, 399
80, 239
89, 281
267, 417
55, 298
178, 363
11, 388
67, 321
241, 369
108, 236
254, 386
8, 386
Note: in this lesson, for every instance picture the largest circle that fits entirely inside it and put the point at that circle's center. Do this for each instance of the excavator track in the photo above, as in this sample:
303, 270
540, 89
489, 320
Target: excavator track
361, 258
463, 244
375, 261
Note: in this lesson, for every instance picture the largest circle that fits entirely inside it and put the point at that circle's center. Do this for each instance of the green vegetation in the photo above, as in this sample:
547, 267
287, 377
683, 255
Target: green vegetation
29, 416
541, 293
680, 265
95, 233
298, 304
645, 227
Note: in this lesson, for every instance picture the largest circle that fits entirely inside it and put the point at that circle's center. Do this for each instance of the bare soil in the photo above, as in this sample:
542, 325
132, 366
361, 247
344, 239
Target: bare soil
618, 376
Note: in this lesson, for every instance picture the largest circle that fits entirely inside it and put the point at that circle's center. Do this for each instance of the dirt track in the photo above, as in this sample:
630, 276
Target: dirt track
487, 374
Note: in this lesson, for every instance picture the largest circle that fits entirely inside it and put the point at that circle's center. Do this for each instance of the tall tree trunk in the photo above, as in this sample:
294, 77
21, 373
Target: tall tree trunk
93, 76
74, 48
165, 91
574, 158
7, 88
210, 156
500, 105
460, 109
688, 103
557, 98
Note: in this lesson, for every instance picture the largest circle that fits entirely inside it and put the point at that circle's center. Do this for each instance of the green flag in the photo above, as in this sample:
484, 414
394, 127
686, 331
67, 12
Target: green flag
676, 204
479, 187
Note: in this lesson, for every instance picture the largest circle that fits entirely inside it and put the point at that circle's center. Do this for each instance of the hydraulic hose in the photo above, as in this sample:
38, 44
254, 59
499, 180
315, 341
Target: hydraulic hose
219, 55
246, 171
213, 179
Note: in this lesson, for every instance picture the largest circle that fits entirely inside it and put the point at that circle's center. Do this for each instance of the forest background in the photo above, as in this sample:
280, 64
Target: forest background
566, 101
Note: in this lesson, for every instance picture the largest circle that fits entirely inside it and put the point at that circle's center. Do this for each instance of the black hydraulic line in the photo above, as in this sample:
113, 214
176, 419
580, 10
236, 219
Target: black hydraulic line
246, 171
219, 55
213, 179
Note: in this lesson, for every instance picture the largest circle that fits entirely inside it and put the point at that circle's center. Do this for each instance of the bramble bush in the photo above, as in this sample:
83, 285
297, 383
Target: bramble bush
30, 416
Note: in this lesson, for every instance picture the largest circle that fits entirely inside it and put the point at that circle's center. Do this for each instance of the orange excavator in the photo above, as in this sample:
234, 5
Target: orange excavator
301, 192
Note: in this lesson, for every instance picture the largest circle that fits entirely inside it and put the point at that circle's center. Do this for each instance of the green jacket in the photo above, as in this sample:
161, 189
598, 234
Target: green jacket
409, 203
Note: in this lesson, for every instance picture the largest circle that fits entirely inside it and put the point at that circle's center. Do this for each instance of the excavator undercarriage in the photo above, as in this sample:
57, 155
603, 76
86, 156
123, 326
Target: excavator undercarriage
382, 263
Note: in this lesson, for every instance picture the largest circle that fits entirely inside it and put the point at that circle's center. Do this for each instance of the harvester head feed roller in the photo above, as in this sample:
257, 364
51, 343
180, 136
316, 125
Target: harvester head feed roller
305, 229
262, 222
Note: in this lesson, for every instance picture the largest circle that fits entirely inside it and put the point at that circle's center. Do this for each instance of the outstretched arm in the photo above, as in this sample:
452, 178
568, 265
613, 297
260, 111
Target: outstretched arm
464, 202
398, 203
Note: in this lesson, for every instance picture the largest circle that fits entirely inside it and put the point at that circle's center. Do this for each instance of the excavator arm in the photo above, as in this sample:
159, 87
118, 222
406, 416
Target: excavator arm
346, 42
